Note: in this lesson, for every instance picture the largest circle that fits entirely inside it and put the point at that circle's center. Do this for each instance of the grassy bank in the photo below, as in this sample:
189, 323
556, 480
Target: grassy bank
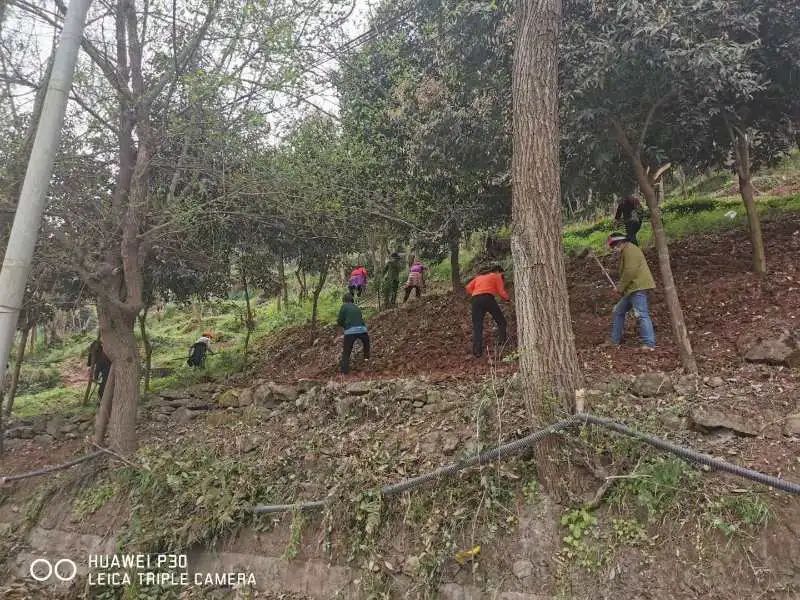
682, 218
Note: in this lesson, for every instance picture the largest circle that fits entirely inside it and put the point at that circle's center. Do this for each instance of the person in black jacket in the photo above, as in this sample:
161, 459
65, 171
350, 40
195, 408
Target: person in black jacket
629, 214
198, 351
99, 366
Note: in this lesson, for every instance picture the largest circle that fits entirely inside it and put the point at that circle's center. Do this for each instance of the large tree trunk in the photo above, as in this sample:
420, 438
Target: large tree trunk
455, 266
668, 281
12, 390
646, 188
148, 348
742, 153
119, 343
548, 361
103, 415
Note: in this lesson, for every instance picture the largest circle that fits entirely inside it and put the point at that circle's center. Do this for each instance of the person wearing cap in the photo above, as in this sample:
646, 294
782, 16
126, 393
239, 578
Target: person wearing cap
352, 321
629, 214
483, 288
391, 279
635, 280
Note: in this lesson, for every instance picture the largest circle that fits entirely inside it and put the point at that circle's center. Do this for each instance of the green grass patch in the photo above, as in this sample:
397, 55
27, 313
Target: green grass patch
656, 486
442, 271
739, 512
682, 218
60, 399
93, 499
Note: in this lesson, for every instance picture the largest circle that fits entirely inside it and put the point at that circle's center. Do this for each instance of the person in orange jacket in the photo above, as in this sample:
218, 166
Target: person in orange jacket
483, 288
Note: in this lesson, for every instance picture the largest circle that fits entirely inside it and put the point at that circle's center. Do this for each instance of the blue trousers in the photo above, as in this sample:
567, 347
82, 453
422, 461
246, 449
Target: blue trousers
636, 301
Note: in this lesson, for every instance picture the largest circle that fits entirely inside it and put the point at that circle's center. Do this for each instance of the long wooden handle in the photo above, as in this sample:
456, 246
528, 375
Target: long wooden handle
603, 269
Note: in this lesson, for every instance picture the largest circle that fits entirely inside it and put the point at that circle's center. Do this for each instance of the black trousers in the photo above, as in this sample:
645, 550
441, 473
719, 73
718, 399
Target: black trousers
347, 348
481, 304
355, 290
408, 289
102, 372
631, 229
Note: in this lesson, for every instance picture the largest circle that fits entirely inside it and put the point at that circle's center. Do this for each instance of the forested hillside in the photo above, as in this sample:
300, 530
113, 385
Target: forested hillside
265, 263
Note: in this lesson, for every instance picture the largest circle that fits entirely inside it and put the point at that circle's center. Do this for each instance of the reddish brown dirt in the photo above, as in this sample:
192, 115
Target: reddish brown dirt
74, 373
430, 336
720, 299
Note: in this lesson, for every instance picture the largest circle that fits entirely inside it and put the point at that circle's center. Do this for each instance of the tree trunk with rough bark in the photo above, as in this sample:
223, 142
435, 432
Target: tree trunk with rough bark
455, 266
119, 343
101, 418
547, 356
647, 189
742, 153
148, 347
301, 281
12, 390
323, 275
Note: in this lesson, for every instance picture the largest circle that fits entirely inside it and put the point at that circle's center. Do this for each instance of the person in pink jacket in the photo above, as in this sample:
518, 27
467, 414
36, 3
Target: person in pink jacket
416, 280
358, 281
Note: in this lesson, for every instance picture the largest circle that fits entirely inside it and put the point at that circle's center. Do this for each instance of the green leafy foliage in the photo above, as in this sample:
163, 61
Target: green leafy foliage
657, 485
187, 495
94, 498
580, 542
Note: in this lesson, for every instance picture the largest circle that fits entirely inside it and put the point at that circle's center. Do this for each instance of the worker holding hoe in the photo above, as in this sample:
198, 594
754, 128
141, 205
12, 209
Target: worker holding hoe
391, 279
198, 351
483, 288
635, 280
352, 321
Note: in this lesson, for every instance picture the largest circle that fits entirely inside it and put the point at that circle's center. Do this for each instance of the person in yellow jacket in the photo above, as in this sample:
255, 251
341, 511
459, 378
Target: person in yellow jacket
635, 280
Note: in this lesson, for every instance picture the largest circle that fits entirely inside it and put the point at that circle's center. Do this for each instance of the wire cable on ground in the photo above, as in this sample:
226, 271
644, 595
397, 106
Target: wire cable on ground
693, 456
517, 446
490, 456
483, 458
48, 470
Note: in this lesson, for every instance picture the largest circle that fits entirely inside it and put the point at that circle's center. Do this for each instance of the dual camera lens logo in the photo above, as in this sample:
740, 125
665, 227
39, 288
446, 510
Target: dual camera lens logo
64, 569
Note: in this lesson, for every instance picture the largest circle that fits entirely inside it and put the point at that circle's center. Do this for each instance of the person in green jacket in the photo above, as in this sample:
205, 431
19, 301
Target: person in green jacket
391, 279
351, 320
635, 280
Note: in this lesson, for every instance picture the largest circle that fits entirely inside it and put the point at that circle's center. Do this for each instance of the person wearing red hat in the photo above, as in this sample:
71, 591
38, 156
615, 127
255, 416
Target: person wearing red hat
635, 280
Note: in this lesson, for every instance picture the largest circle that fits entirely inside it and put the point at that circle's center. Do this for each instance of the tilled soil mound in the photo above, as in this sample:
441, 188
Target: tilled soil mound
720, 296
